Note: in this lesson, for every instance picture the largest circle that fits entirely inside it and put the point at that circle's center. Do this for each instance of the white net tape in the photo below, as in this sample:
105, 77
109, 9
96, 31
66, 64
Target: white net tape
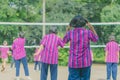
19, 23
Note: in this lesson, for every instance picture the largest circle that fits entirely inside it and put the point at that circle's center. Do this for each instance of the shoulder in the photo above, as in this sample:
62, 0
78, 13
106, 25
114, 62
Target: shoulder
69, 32
108, 43
111, 43
15, 40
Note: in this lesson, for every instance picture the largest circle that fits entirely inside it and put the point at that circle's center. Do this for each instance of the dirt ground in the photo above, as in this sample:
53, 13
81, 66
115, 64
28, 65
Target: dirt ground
98, 73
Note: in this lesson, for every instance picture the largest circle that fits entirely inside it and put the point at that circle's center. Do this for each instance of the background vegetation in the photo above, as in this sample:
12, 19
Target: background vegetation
59, 11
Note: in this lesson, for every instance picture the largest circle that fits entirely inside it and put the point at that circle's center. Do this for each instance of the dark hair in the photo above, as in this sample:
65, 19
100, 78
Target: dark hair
78, 21
53, 29
21, 34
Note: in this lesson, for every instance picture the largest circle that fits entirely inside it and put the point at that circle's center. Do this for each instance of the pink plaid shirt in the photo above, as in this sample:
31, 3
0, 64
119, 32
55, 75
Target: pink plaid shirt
50, 53
80, 55
4, 52
18, 48
112, 48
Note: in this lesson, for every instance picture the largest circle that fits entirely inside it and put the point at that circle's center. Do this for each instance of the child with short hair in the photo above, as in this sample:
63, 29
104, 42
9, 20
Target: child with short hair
19, 54
4, 55
112, 57
37, 60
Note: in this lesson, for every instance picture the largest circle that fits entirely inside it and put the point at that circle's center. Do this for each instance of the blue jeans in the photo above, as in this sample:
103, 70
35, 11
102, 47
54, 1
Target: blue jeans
79, 73
12, 62
44, 71
111, 68
25, 65
37, 63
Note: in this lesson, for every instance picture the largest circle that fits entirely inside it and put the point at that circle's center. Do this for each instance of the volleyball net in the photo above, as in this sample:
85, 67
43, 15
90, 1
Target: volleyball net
34, 33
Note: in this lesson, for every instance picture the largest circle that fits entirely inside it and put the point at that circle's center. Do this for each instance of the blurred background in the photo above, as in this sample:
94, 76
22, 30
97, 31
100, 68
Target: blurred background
60, 12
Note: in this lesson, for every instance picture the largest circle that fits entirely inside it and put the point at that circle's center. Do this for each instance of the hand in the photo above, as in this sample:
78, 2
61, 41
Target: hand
35, 54
9, 54
89, 25
86, 20
68, 28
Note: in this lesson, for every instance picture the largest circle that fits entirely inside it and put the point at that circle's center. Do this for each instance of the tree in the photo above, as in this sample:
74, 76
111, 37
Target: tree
110, 13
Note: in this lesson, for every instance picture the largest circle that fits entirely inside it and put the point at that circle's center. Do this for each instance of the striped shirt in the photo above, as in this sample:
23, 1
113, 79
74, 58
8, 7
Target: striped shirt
18, 48
4, 52
49, 54
80, 55
112, 48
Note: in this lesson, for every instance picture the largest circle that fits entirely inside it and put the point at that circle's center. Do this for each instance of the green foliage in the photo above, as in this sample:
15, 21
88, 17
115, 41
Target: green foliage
98, 55
58, 11
63, 57
110, 13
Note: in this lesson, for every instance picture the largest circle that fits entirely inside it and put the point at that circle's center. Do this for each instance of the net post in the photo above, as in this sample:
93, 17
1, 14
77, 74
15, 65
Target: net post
44, 11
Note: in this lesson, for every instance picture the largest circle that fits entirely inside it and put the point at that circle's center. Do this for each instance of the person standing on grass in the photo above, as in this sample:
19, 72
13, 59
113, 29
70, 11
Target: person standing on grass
4, 55
112, 57
79, 54
49, 54
19, 54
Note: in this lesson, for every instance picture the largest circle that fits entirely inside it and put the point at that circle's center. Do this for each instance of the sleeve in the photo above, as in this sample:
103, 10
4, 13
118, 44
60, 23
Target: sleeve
118, 47
60, 42
66, 38
106, 48
8, 49
92, 36
43, 41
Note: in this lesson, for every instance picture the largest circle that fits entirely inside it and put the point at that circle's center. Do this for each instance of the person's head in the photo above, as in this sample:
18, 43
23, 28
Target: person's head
5, 42
78, 21
53, 29
112, 38
21, 34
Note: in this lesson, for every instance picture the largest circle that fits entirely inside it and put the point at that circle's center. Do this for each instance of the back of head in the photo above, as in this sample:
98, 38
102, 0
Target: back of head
78, 21
21, 34
112, 38
53, 29
4, 42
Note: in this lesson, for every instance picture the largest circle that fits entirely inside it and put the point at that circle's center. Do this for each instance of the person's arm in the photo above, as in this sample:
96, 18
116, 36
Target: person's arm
118, 55
91, 28
92, 55
60, 42
39, 57
39, 50
106, 53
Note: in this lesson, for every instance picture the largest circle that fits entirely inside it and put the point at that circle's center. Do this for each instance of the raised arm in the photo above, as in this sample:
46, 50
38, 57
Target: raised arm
91, 28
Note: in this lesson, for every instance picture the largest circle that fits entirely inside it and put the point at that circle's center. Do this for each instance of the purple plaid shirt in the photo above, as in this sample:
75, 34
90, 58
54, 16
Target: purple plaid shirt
4, 52
50, 53
18, 48
80, 55
112, 48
